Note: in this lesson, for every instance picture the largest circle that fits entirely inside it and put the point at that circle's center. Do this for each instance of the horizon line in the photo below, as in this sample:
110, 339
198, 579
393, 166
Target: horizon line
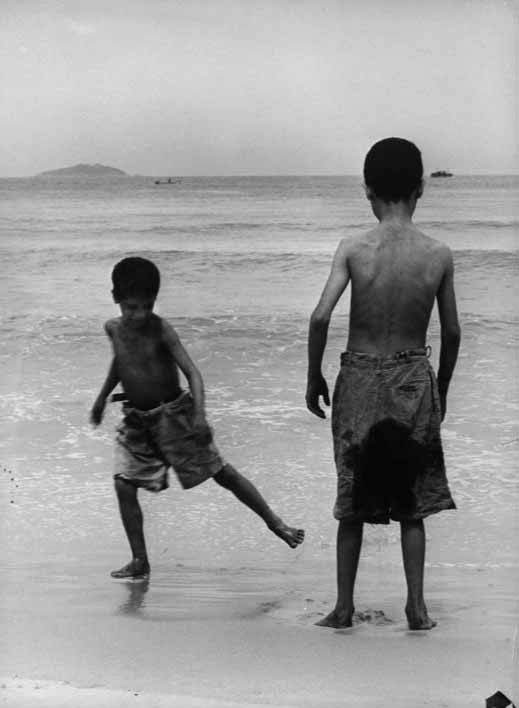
42, 175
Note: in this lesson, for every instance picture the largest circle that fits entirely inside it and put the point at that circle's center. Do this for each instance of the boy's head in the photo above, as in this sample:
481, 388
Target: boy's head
136, 283
135, 277
393, 170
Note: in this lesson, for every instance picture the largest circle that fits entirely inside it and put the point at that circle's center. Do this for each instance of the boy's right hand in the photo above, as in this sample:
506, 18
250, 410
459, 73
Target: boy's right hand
315, 388
98, 409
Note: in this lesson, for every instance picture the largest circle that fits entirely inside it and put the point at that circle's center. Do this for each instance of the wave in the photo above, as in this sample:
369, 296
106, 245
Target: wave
472, 321
214, 257
231, 254
269, 328
315, 226
205, 225
469, 223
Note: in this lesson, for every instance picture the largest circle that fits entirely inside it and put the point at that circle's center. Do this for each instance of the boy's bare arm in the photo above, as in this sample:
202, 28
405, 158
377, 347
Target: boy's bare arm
111, 381
318, 331
190, 371
450, 331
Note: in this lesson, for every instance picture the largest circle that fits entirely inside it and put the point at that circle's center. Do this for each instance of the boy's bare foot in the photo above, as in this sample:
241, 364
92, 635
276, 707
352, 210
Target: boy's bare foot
288, 534
419, 619
337, 619
134, 569
421, 623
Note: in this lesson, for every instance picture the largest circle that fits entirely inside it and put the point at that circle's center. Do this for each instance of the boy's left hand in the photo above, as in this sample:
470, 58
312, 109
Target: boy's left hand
97, 412
317, 387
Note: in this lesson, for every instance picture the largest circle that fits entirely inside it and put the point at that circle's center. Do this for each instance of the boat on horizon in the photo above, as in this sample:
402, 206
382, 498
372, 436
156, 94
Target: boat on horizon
441, 173
167, 181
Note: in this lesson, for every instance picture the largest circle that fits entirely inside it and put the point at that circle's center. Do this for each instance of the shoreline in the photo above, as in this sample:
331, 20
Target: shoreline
26, 693
245, 639
31, 693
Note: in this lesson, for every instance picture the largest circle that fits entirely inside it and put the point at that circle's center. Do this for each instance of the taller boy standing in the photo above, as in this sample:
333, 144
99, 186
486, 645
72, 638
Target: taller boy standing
387, 404
163, 425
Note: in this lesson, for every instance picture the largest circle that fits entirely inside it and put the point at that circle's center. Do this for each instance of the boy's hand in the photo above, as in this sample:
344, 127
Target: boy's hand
98, 409
315, 388
201, 429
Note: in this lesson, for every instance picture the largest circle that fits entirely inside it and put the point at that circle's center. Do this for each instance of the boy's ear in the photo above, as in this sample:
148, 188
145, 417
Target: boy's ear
115, 298
369, 192
419, 189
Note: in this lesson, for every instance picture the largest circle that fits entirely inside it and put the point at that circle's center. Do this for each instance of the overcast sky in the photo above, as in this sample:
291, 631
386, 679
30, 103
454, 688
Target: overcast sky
179, 87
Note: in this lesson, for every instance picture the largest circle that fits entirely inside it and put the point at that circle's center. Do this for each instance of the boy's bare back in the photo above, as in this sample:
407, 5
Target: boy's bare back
396, 272
395, 275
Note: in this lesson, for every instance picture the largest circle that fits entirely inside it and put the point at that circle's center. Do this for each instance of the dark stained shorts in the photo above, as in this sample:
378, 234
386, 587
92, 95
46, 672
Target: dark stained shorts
386, 433
150, 442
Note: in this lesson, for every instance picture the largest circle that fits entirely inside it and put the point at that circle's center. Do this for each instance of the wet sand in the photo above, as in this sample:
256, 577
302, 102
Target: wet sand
220, 638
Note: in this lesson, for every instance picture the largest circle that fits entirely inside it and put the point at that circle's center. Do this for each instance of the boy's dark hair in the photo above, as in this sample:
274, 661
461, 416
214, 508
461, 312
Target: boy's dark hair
135, 276
393, 169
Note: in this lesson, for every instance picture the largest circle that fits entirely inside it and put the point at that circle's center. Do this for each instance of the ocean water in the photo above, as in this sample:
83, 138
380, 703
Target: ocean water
243, 261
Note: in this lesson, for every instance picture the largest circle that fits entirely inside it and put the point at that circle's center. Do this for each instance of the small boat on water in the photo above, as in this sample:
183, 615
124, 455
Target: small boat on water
441, 173
167, 181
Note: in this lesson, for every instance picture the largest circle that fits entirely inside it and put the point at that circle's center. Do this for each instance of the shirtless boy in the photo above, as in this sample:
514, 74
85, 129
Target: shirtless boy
387, 403
163, 426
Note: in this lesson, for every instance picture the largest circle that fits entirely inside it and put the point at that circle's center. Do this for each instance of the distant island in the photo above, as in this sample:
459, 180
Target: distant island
82, 170
441, 173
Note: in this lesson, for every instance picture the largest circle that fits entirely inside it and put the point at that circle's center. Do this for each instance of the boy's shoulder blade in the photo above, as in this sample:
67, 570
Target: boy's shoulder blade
350, 243
433, 241
359, 243
438, 248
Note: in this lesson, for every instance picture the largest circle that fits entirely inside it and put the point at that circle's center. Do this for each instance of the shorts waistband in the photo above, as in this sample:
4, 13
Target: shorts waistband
386, 359
178, 402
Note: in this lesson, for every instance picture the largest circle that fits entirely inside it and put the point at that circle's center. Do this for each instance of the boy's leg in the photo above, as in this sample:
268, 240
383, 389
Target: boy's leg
131, 516
349, 542
246, 492
413, 554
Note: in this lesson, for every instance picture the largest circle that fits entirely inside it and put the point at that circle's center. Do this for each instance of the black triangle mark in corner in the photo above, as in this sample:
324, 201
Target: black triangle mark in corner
499, 700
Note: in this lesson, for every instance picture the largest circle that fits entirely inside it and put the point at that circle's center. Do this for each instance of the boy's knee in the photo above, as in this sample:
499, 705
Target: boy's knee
411, 522
124, 486
226, 476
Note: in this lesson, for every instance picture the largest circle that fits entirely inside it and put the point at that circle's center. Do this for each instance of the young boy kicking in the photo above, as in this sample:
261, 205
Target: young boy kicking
163, 425
387, 404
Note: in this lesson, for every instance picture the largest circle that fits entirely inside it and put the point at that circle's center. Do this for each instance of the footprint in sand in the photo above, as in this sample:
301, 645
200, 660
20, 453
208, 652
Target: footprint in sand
369, 616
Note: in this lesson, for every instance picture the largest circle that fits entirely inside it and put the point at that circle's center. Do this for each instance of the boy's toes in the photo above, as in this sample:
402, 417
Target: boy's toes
291, 536
427, 623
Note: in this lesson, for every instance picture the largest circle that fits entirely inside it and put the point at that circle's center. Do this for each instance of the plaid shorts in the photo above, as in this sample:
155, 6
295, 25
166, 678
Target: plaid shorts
148, 443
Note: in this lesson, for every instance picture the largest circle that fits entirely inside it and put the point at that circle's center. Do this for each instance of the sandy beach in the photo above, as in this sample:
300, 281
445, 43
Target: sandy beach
192, 638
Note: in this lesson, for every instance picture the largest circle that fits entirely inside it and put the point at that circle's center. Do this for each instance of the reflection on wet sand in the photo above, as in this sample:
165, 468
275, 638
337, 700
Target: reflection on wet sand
134, 602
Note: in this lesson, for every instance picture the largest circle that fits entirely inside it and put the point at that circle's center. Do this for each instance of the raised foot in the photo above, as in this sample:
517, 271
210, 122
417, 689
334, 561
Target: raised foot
135, 569
293, 537
338, 620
